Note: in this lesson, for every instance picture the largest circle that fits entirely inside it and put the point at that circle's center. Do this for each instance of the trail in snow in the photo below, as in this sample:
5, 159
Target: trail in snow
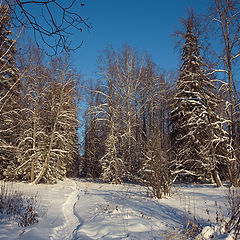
83, 210
71, 222
80, 220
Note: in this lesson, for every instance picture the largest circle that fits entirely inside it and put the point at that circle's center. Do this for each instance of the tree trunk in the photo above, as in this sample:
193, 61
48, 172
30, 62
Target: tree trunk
217, 179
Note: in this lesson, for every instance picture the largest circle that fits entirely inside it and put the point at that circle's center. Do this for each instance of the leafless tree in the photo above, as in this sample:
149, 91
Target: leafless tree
95, 136
155, 89
128, 71
52, 22
30, 142
48, 139
226, 16
113, 167
132, 112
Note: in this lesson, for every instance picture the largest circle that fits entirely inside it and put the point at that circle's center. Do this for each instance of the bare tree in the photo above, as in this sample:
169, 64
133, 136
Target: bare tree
52, 22
32, 135
113, 167
131, 112
48, 139
154, 146
95, 136
128, 71
226, 16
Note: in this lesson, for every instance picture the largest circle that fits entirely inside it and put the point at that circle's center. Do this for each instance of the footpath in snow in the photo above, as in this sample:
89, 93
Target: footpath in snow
80, 209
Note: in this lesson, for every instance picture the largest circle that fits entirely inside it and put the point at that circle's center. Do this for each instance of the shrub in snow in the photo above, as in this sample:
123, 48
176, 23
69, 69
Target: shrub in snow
16, 207
155, 173
233, 225
29, 215
228, 229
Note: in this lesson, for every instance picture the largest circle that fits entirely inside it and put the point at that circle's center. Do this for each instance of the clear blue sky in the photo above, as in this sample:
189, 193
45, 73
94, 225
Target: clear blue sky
145, 25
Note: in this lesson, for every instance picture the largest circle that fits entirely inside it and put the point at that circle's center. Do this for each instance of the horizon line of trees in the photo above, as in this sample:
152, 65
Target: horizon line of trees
141, 128
138, 126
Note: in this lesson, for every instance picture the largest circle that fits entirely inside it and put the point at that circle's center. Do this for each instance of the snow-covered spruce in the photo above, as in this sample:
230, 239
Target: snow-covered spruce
10, 87
47, 141
200, 142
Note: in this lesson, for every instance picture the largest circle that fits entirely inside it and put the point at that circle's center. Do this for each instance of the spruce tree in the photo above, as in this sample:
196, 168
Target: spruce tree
9, 95
59, 125
199, 142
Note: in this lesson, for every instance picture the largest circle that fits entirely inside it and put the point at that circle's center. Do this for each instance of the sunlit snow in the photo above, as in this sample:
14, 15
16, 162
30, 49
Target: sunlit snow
81, 209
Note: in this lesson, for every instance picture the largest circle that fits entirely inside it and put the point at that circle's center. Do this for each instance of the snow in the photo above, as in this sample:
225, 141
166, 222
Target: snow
81, 209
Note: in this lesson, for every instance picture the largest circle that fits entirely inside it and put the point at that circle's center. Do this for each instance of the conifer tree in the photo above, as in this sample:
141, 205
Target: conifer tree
59, 124
199, 141
48, 142
32, 136
9, 94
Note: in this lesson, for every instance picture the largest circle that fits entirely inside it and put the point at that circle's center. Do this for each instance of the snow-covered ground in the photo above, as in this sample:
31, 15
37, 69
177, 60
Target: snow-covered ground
81, 209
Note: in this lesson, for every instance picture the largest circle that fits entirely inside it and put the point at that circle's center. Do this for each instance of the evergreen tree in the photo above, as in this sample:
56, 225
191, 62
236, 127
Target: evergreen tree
199, 141
59, 124
9, 95
48, 142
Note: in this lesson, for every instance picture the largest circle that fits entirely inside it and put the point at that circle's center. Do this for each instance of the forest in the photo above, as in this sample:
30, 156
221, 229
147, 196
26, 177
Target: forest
141, 124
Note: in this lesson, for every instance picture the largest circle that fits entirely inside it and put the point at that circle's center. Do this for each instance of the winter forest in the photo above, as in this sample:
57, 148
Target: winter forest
140, 124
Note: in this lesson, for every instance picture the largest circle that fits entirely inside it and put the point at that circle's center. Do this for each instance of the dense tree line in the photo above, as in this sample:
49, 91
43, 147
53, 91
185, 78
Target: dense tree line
126, 135
38, 112
141, 128
138, 126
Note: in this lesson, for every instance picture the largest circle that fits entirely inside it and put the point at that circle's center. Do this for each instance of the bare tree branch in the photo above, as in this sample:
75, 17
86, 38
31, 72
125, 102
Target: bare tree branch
52, 21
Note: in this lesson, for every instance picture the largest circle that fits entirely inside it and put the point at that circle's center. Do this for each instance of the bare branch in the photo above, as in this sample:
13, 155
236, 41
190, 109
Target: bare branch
53, 23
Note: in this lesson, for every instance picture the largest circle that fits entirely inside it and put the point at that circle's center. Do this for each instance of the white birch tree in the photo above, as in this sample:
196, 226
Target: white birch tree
225, 15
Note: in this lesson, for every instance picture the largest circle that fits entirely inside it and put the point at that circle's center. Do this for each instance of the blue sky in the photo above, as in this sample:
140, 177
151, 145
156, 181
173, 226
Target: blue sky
145, 25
